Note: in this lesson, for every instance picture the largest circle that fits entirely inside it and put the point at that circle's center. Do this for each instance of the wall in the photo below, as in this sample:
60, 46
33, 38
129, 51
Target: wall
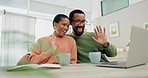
131, 2
85, 5
95, 12
63, 6
134, 15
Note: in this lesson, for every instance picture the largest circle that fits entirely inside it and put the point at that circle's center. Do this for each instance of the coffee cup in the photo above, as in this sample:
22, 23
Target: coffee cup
95, 57
64, 58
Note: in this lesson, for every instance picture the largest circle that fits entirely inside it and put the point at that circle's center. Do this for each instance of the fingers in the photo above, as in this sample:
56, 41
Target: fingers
104, 31
98, 29
96, 32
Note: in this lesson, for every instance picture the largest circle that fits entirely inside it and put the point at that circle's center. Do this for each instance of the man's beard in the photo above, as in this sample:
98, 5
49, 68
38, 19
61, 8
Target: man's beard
75, 29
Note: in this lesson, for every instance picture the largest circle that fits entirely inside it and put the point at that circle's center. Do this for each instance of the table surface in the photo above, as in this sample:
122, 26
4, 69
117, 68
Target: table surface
80, 71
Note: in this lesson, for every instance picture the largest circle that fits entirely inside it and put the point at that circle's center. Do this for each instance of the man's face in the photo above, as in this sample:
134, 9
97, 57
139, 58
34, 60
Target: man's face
78, 24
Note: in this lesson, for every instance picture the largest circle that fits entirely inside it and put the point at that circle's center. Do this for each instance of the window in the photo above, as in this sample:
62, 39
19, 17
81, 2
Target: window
22, 4
15, 31
45, 26
110, 6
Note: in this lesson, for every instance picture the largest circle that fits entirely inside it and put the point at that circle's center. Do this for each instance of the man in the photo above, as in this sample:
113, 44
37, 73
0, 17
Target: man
88, 41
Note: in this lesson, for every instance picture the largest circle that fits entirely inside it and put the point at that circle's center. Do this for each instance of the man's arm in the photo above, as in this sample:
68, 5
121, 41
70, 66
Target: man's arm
101, 39
110, 51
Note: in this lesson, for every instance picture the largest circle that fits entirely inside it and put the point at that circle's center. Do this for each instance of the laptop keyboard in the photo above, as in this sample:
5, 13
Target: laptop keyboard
113, 62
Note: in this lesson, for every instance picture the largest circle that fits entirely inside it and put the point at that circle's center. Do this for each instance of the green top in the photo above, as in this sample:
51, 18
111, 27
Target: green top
85, 44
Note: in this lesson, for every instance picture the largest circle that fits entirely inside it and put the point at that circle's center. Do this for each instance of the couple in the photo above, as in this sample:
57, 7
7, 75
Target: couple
79, 44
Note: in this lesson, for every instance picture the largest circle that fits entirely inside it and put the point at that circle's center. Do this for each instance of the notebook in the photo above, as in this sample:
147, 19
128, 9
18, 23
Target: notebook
33, 67
138, 50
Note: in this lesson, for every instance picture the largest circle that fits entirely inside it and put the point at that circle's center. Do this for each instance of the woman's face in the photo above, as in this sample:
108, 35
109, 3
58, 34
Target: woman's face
62, 27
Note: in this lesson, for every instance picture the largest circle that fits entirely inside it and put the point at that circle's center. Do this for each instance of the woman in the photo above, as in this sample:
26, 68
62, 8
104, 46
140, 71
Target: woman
47, 48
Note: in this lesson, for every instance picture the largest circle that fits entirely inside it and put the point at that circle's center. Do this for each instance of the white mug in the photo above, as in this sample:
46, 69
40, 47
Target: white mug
64, 58
95, 57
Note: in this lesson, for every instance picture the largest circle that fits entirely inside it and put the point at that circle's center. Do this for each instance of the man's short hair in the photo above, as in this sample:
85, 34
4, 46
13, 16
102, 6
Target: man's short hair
58, 17
73, 12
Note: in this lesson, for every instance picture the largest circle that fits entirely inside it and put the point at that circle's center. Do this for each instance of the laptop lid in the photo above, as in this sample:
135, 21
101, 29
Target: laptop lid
138, 50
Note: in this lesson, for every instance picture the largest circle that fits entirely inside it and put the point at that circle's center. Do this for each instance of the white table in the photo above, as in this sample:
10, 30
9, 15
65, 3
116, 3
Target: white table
91, 71
82, 71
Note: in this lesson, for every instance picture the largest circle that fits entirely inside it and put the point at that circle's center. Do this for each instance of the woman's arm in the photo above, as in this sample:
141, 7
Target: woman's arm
73, 59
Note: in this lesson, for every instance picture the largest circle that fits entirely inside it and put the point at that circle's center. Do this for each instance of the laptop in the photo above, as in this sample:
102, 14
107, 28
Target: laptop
138, 50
